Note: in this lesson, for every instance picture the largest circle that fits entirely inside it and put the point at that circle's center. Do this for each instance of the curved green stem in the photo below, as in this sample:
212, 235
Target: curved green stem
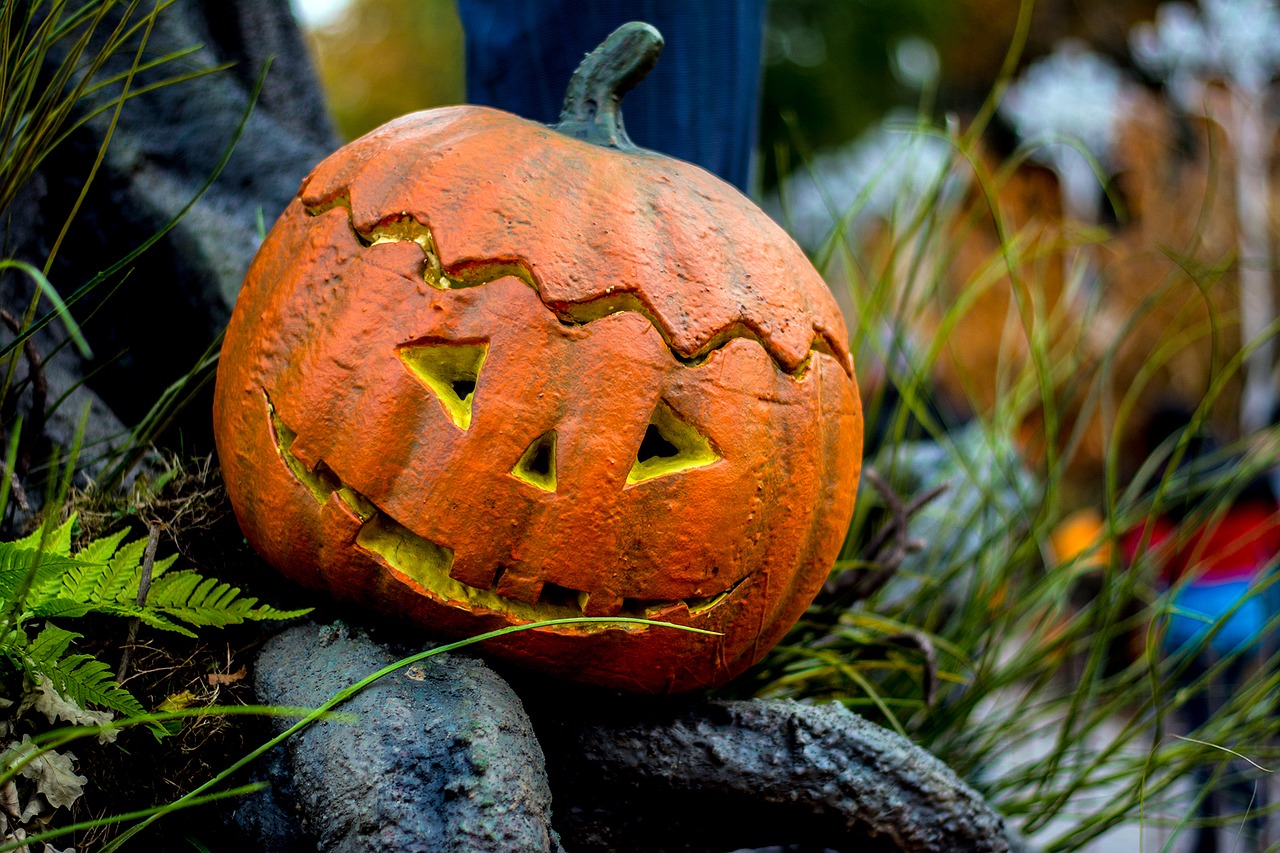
592, 108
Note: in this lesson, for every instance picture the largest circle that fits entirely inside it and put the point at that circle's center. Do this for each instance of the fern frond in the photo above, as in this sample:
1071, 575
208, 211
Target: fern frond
55, 607
57, 542
27, 568
50, 644
146, 616
114, 582
200, 601
85, 680
81, 678
102, 550
107, 574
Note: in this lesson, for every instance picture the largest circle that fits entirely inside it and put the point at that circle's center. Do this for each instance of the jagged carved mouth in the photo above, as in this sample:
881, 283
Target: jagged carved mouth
427, 563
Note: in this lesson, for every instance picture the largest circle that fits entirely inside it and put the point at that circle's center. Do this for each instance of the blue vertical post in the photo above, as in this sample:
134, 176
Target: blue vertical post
701, 103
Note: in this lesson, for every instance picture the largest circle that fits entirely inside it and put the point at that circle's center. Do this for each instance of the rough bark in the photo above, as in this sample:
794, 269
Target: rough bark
721, 775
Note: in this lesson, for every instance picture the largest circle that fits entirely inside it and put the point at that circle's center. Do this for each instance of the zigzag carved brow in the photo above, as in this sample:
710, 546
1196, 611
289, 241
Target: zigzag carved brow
405, 229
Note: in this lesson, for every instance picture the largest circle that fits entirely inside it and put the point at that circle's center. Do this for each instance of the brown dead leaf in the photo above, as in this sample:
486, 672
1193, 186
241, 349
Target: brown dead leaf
217, 679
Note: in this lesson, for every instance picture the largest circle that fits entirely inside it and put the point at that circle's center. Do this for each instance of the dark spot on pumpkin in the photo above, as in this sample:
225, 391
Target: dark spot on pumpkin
464, 388
537, 466
560, 596
655, 445
540, 461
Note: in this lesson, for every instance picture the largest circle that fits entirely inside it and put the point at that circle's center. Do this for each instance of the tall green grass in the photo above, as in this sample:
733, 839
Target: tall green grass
1037, 678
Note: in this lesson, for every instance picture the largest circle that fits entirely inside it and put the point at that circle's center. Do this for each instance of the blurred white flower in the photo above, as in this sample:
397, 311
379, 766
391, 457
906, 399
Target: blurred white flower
916, 63
1235, 40
1072, 94
886, 174
318, 14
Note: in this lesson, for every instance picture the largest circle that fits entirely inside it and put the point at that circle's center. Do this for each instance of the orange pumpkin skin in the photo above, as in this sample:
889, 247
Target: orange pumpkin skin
608, 290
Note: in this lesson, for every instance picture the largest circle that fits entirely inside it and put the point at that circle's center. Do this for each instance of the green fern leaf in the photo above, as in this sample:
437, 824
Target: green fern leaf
109, 573
25, 567
80, 678
54, 607
94, 560
148, 617
51, 644
57, 542
81, 576
190, 598
173, 590
76, 681
120, 570
87, 681
102, 550
12, 643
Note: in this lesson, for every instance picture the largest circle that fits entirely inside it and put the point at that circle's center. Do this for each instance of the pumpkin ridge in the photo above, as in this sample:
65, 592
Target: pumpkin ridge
402, 227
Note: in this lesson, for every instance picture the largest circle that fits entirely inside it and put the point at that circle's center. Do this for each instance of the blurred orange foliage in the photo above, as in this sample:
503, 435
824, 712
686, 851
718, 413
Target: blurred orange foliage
1162, 320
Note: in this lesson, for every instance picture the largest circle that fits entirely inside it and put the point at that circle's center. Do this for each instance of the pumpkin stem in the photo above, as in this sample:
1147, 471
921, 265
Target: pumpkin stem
592, 108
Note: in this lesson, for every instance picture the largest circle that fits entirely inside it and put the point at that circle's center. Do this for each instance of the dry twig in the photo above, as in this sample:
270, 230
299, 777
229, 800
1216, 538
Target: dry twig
144, 586
890, 546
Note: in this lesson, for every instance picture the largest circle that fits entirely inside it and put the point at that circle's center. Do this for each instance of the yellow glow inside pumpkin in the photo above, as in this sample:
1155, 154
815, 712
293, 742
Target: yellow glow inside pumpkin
537, 466
670, 445
451, 371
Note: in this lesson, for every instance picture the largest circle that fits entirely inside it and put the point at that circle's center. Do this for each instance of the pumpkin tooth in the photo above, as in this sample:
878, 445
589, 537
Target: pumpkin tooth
319, 480
665, 611
403, 228
342, 199
600, 603
473, 573
512, 583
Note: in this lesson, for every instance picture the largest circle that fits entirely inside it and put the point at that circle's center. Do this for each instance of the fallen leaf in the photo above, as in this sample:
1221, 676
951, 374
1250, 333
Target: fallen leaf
219, 678
55, 706
53, 773
9, 799
35, 807
18, 834
177, 701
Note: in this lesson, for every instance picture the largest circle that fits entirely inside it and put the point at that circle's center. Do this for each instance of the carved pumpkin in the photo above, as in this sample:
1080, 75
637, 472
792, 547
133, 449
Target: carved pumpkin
484, 372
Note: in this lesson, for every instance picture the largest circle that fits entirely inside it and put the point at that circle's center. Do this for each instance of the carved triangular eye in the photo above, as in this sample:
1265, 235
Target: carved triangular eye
669, 445
450, 370
537, 466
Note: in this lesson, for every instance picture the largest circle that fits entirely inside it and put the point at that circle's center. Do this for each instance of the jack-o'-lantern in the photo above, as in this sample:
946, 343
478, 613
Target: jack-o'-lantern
485, 372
